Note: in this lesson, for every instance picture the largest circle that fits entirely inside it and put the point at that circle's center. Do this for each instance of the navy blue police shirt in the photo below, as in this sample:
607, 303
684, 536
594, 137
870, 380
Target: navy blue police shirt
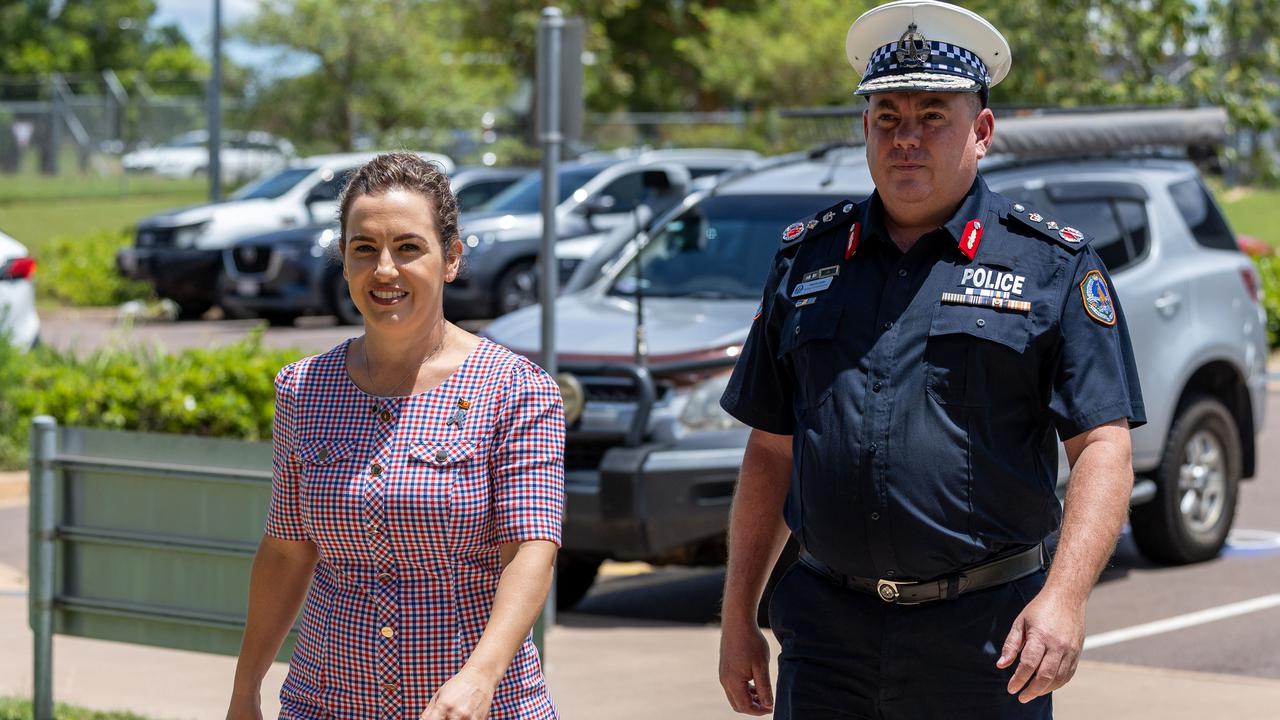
922, 390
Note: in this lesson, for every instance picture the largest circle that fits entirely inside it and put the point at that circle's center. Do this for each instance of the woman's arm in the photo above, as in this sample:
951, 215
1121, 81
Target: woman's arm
277, 586
527, 568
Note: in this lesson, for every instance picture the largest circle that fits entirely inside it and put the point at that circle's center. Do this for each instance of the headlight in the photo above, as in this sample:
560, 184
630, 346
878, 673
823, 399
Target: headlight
703, 411
184, 237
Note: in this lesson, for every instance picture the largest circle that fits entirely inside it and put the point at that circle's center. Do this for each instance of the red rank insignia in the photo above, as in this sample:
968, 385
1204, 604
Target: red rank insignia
971, 239
852, 247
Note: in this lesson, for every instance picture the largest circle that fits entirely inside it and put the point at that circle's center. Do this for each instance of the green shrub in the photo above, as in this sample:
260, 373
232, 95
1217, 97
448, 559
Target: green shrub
16, 709
223, 392
82, 271
1269, 272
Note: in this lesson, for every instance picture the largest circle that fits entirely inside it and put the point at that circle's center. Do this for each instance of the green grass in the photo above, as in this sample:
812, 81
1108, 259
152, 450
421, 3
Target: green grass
35, 223
16, 709
24, 187
1251, 211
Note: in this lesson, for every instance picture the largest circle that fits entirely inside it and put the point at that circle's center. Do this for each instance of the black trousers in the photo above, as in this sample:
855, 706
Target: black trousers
848, 655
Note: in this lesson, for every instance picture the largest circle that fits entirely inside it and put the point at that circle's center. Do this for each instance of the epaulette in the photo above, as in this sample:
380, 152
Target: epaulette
818, 223
1064, 235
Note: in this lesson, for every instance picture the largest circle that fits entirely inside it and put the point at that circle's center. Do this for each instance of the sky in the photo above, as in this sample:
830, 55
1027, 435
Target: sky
195, 19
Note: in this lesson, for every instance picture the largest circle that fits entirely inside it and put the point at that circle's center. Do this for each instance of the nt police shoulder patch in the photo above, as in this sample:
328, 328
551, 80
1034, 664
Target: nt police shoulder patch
1097, 298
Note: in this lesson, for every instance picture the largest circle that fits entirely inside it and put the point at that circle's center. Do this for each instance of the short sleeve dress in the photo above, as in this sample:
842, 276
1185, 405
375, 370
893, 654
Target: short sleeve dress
408, 499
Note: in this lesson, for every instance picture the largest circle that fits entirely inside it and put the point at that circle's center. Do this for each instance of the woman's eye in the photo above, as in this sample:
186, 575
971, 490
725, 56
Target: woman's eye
409, 248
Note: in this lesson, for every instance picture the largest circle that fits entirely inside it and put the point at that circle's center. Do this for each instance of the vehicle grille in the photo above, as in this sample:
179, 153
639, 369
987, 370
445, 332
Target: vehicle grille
154, 237
251, 258
583, 454
615, 389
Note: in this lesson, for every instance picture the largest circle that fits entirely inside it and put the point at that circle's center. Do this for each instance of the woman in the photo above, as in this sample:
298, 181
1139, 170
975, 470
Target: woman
418, 486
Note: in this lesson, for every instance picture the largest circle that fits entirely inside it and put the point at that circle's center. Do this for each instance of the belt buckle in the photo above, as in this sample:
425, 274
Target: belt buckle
889, 591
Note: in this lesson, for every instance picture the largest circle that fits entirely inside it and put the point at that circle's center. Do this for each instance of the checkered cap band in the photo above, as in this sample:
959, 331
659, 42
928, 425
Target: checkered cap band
943, 58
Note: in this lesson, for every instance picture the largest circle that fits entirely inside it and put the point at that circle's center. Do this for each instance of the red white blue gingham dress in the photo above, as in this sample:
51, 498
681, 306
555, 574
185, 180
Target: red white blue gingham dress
407, 500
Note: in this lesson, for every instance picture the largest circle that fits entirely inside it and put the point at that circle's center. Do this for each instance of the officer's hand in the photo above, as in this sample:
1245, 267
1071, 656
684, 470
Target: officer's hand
744, 668
1047, 635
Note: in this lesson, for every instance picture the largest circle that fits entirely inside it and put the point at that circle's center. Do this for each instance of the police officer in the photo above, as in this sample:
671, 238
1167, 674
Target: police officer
914, 360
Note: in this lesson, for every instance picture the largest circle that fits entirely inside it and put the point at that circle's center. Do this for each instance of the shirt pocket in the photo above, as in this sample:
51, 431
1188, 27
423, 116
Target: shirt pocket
966, 346
807, 344
325, 470
450, 478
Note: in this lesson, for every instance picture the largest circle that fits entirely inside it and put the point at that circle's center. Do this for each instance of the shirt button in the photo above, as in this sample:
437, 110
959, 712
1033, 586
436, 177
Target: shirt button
902, 273
875, 516
384, 416
385, 577
874, 447
387, 632
888, 325
982, 323
875, 388
889, 573
375, 470
797, 329
441, 456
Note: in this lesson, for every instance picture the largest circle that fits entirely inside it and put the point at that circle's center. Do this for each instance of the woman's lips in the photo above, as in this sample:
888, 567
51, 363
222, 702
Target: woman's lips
387, 297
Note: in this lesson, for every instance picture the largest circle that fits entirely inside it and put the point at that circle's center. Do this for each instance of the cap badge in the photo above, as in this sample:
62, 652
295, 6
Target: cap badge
913, 49
793, 231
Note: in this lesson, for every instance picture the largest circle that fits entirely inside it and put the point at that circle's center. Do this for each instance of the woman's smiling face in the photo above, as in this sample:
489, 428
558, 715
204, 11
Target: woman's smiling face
394, 259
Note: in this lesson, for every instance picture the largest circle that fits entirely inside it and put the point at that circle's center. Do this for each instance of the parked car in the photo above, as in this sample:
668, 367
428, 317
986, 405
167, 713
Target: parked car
652, 460
503, 237
19, 323
180, 251
282, 275
244, 156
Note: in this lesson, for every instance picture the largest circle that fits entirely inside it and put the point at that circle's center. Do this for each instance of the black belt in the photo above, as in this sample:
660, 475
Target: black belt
911, 592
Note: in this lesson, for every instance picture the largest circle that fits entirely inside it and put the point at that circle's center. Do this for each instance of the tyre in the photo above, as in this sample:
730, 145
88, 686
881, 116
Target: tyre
516, 288
277, 318
1196, 487
193, 309
340, 302
575, 574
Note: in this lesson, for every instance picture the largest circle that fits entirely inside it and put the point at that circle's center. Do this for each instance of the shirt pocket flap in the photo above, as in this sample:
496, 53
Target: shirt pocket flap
442, 453
814, 322
323, 452
1010, 329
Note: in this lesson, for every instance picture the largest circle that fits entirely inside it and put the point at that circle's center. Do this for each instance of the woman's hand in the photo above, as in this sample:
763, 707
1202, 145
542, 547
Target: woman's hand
466, 696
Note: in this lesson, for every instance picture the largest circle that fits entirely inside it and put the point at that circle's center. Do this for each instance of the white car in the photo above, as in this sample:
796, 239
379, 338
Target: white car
244, 156
180, 251
18, 321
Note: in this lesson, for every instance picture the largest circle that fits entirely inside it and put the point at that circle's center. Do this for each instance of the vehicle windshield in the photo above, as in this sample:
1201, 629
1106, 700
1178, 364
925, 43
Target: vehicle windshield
526, 195
720, 248
272, 186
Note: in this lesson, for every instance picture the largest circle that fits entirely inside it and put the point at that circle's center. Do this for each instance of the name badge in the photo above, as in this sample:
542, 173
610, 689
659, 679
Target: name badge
811, 287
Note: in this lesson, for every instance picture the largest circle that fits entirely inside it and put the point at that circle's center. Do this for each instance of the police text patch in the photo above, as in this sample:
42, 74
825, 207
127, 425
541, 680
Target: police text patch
992, 283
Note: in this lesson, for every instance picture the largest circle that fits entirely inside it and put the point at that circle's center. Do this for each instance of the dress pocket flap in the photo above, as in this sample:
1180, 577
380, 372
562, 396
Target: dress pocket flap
323, 452
447, 452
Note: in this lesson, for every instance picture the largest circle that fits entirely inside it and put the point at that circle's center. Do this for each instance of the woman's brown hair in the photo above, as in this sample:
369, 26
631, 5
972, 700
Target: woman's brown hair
403, 171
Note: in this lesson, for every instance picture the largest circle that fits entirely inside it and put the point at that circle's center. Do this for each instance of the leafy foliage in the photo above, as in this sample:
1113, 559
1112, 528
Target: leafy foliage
82, 271
224, 392
1269, 270
16, 709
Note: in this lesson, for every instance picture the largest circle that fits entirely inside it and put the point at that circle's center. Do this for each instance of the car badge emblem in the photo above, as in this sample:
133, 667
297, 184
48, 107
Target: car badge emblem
913, 49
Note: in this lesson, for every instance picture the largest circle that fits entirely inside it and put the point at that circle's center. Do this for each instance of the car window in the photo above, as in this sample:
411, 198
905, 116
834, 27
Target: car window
526, 195
720, 248
1118, 226
328, 190
273, 186
478, 193
627, 192
1202, 216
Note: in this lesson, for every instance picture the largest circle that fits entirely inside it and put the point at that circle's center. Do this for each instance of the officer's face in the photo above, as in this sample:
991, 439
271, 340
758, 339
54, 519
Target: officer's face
923, 149
395, 262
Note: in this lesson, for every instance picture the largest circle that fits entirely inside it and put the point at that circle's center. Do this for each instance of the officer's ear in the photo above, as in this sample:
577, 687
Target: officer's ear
984, 131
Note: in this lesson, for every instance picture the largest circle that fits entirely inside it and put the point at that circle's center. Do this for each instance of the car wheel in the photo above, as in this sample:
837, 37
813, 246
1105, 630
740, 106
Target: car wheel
279, 319
1196, 487
517, 288
193, 309
575, 574
344, 308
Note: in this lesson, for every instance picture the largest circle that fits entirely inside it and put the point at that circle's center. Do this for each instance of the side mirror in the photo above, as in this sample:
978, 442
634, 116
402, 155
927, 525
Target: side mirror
599, 205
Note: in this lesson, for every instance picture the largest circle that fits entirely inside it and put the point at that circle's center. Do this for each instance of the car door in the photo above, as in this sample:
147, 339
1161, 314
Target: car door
1152, 286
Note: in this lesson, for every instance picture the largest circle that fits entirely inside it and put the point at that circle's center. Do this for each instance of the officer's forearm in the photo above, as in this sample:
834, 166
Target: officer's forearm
1095, 509
757, 531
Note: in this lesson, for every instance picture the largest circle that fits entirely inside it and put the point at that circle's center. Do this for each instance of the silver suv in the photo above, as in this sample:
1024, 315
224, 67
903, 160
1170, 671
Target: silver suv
653, 459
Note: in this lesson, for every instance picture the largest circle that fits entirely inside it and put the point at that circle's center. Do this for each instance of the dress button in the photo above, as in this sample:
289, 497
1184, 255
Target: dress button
385, 577
875, 388
375, 470
387, 632
441, 456
902, 273
323, 453
390, 686
384, 416
982, 323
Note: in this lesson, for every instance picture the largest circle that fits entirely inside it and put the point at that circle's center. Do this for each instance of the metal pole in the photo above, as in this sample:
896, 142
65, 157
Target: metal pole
43, 519
550, 136
215, 108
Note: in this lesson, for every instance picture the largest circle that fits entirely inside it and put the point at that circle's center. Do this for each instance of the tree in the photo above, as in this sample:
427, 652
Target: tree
382, 69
